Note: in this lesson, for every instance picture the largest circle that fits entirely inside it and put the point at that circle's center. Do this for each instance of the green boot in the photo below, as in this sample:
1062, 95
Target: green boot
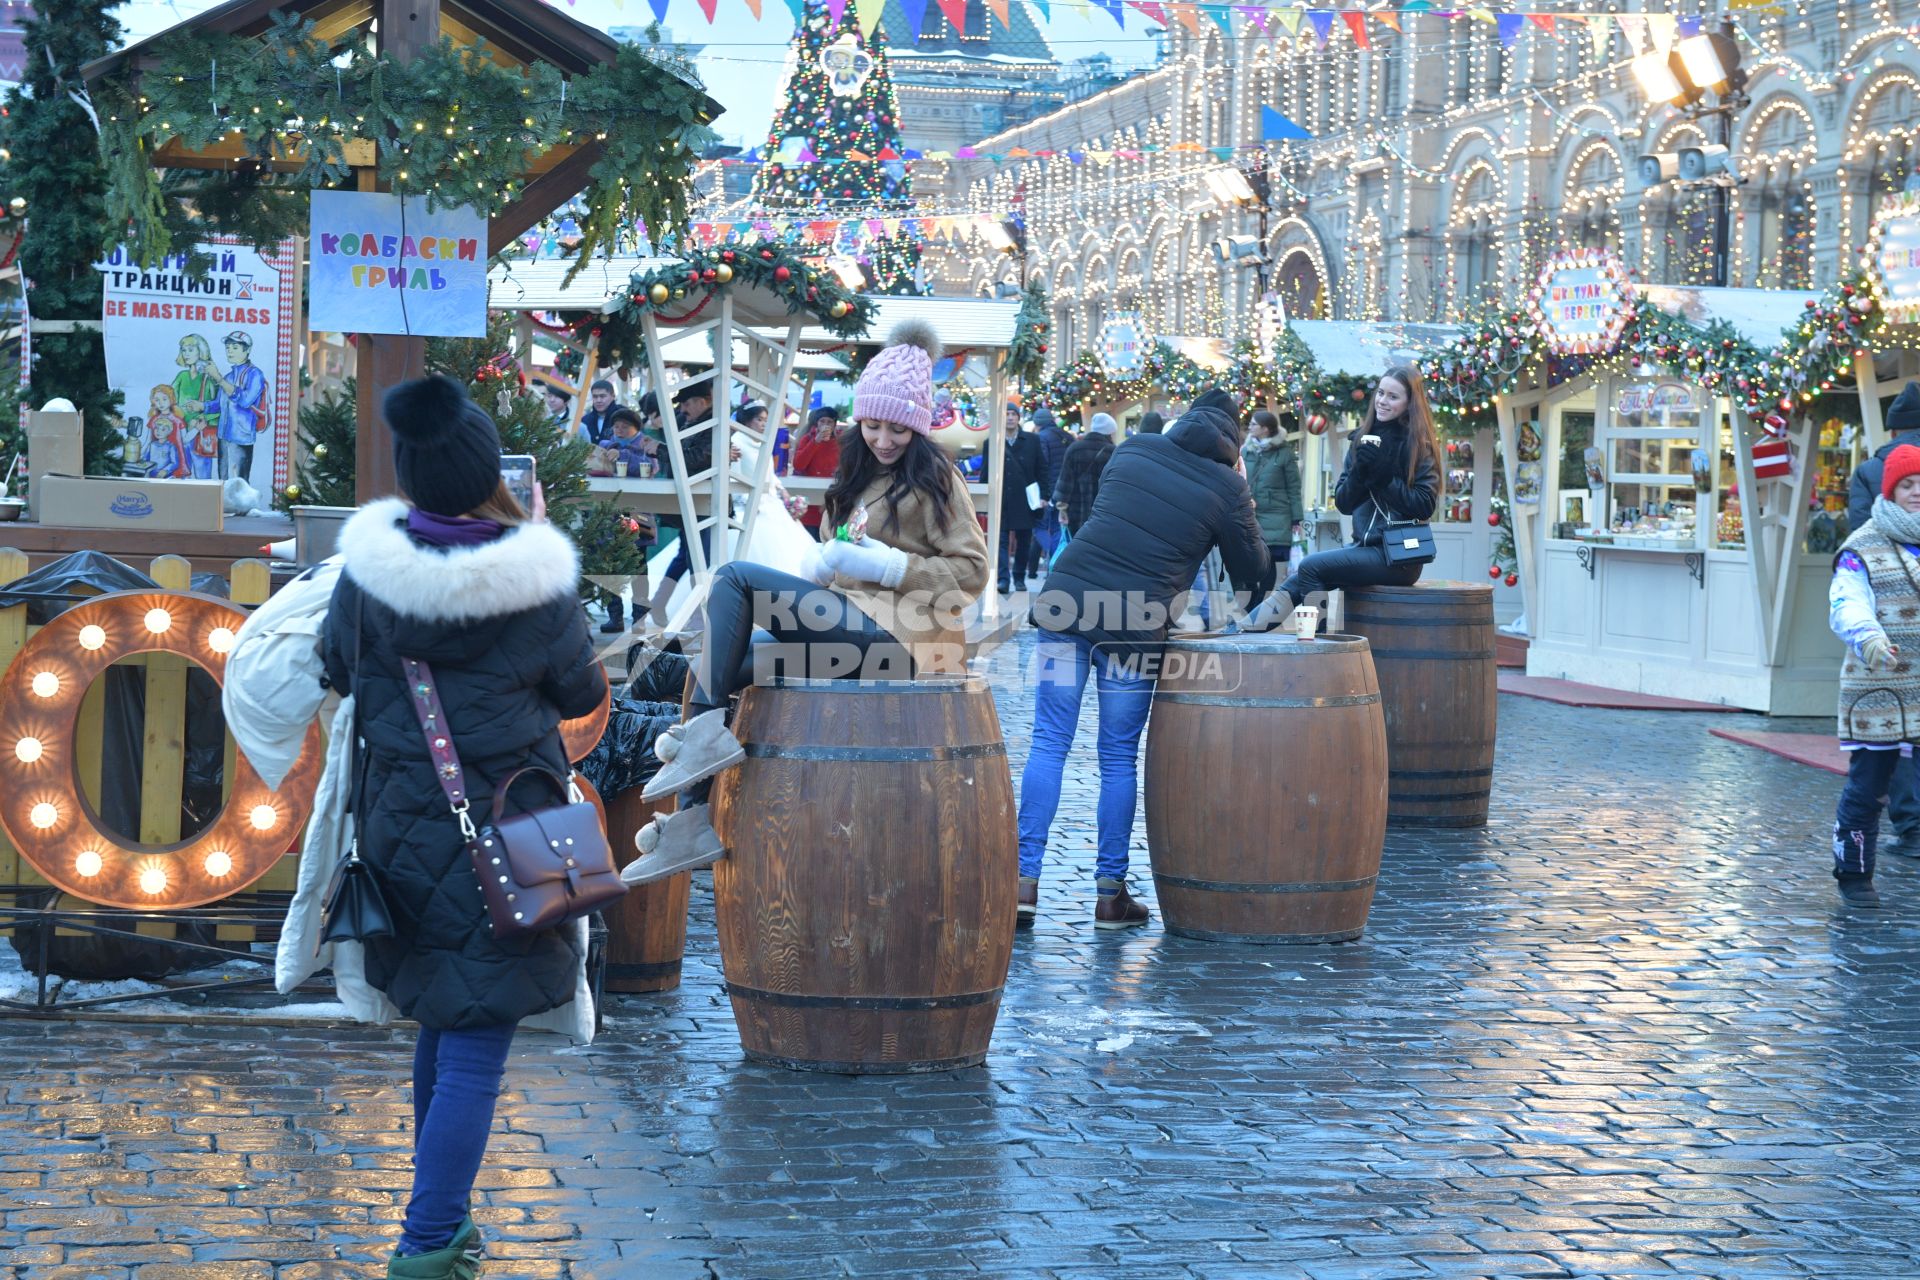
458, 1261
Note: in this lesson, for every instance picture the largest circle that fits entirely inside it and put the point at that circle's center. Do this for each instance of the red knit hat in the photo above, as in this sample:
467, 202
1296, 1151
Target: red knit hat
1904, 461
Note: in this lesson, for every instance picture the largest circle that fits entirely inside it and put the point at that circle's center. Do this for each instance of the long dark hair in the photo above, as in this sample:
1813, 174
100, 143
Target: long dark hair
1423, 441
924, 467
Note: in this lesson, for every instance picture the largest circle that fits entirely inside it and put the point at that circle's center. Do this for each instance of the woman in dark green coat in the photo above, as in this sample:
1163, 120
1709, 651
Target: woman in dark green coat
1273, 474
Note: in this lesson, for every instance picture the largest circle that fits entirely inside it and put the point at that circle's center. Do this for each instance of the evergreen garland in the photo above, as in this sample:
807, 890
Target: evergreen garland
452, 124
684, 288
53, 167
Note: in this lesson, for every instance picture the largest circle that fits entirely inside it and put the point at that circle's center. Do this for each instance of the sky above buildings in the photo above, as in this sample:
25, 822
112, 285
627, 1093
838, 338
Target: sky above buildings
742, 58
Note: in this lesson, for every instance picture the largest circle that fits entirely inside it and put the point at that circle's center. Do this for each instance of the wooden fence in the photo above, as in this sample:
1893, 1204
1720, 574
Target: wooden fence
163, 753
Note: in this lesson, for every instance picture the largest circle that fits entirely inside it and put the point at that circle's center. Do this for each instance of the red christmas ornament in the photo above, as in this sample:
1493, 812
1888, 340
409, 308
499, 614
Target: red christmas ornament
1043, 348
1493, 518
693, 276
1359, 394
708, 274
783, 274
1493, 571
767, 255
726, 255
813, 294
1513, 579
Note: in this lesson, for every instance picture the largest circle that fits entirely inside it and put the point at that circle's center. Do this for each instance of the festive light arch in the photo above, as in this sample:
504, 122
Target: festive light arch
41, 808
1607, 129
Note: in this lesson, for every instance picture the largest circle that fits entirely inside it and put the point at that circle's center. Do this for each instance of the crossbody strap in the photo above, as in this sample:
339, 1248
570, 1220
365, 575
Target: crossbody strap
424, 694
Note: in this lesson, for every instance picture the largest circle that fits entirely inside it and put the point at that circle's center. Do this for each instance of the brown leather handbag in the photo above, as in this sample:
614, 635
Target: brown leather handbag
536, 869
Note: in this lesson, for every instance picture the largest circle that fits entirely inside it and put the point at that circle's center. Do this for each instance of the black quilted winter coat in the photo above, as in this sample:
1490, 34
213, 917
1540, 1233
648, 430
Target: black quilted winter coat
1164, 502
501, 627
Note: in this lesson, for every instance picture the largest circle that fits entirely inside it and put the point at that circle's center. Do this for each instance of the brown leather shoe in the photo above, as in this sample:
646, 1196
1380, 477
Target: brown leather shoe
1029, 903
1115, 908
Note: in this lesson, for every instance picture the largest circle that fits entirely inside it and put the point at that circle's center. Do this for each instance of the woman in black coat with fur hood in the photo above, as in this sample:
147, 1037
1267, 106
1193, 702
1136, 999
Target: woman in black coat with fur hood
460, 577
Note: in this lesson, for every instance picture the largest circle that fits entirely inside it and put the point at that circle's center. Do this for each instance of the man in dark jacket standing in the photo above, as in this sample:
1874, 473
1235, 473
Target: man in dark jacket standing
1054, 443
1165, 501
1019, 512
1903, 427
1079, 482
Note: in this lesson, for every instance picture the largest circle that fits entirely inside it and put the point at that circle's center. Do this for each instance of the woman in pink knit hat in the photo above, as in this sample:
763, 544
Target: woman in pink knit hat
884, 596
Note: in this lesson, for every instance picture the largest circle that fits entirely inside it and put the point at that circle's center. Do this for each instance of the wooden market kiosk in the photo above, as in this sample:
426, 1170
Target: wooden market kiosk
774, 338
1652, 559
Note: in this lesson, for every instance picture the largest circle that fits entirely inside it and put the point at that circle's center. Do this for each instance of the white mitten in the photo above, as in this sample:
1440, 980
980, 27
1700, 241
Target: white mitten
816, 568
867, 561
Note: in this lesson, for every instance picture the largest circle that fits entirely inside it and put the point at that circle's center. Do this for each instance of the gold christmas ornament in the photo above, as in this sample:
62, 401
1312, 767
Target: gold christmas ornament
658, 294
292, 491
723, 273
319, 451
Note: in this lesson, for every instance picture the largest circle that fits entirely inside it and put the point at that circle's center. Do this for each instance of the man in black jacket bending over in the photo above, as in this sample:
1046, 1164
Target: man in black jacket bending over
1165, 501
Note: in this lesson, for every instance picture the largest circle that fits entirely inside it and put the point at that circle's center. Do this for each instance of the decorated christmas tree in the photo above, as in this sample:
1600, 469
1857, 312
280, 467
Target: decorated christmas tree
323, 477
52, 173
834, 151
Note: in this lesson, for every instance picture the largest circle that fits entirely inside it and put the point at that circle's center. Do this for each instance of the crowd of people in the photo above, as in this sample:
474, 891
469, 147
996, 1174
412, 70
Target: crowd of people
456, 626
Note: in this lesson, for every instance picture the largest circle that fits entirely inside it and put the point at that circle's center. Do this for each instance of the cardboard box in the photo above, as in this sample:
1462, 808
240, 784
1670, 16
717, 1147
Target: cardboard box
100, 502
53, 449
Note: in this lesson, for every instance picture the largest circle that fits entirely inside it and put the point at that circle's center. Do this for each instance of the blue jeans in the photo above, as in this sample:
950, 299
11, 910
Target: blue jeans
456, 1081
1903, 805
1061, 664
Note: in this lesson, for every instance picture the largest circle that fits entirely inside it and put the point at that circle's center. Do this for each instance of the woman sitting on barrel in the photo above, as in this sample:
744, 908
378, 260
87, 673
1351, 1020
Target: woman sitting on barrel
1390, 484
884, 595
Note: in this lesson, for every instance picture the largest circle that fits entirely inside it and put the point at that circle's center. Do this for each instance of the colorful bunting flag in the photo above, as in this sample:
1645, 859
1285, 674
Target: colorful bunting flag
867, 14
1223, 15
659, 8
999, 8
754, 5
1601, 33
1544, 21
835, 8
956, 13
1150, 8
1322, 20
797, 7
1275, 127
1045, 8
1115, 8
707, 7
1390, 19
916, 13
1289, 20
1510, 26
1187, 15
1357, 24
1661, 26
1634, 27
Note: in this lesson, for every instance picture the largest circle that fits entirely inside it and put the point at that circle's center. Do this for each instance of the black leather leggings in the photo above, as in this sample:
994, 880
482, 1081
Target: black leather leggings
813, 632
1348, 567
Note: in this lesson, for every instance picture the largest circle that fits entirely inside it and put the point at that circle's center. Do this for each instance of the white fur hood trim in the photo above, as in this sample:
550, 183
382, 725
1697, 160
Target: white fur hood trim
525, 567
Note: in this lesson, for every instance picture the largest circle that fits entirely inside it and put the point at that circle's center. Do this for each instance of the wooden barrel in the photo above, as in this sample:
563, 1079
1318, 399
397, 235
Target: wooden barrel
1266, 787
1433, 646
647, 929
866, 906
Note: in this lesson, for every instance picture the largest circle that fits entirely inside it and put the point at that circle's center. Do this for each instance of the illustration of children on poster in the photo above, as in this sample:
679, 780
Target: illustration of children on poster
164, 456
214, 334
196, 391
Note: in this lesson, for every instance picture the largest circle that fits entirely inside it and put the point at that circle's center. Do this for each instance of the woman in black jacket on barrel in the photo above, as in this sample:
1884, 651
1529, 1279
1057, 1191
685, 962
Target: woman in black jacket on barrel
1392, 477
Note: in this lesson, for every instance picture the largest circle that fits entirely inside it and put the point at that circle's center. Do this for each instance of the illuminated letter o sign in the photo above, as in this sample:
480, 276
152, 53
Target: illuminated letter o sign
40, 807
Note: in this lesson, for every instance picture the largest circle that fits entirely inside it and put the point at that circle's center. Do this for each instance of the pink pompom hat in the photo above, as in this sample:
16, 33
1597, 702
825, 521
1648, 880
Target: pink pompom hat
898, 384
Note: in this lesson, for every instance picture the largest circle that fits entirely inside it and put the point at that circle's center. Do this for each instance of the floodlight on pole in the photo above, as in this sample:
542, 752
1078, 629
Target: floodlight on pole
1660, 76
1229, 187
1712, 61
995, 233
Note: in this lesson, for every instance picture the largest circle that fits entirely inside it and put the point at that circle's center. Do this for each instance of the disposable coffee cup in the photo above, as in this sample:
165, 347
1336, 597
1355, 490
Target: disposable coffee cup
620, 467
1306, 618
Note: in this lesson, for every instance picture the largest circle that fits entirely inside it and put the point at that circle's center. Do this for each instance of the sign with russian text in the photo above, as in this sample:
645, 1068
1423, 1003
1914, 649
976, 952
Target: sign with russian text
1893, 259
1582, 302
1123, 344
386, 264
203, 362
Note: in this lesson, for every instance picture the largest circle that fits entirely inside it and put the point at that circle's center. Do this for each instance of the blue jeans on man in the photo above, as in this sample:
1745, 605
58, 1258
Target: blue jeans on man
1062, 664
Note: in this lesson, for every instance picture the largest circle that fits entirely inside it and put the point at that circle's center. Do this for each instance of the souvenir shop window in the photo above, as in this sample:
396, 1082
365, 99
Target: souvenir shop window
1729, 520
1456, 503
1652, 463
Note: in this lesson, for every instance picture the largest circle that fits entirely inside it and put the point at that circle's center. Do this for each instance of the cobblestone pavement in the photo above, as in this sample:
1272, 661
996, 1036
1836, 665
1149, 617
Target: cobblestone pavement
1622, 1031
